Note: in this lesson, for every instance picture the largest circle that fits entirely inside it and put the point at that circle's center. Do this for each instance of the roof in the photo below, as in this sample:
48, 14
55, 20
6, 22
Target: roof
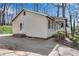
17, 15
53, 17
50, 17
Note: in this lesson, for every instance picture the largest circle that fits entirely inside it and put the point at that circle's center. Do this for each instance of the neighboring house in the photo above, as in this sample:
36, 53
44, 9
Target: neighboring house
35, 24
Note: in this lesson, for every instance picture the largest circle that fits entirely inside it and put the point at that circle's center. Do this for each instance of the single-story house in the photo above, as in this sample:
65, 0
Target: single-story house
35, 24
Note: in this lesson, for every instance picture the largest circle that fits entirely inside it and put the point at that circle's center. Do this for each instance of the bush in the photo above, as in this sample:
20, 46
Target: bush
75, 40
77, 37
61, 35
70, 36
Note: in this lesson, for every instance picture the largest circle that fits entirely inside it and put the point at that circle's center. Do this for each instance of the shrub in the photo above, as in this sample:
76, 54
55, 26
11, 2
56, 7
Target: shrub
75, 40
61, 35
77, 37
70, 36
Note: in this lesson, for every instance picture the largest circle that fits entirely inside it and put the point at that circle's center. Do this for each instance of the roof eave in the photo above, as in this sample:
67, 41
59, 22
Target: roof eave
17, 15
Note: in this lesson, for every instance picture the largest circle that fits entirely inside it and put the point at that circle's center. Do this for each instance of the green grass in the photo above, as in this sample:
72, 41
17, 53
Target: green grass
5, 29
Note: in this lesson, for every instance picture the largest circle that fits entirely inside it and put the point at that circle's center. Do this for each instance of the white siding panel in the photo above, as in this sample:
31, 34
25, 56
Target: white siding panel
56, 28
34, 25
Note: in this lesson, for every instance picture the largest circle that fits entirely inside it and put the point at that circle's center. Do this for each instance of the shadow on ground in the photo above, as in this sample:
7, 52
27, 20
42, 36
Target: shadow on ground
67, 42
39, 46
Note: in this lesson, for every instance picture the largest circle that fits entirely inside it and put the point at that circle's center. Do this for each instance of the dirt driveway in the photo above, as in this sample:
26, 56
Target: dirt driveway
39, 46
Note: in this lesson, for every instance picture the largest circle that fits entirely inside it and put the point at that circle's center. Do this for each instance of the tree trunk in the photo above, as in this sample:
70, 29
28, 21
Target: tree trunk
71, 24
74, 27
3, 14
36, 7
77, 22
58, 10
63, 15
16, 9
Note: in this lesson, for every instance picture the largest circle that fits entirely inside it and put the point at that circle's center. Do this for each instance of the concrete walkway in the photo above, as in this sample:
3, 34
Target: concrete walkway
2, 35
5, 52
61, 50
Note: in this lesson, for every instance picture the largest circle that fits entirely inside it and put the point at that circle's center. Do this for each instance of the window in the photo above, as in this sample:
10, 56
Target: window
52, 24
20, 26
48, 24
62, 24
57, 26
24, 13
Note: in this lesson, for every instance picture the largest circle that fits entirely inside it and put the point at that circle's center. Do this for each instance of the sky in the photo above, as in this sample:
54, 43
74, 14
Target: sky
12, 9
52, 10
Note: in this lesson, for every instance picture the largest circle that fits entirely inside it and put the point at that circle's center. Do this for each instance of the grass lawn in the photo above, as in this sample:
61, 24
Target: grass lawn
5, 29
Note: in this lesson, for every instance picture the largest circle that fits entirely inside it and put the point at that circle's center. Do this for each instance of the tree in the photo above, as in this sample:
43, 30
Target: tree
46, 8
73, 14
74, 27
63, 15
58, 10
16, 8
71, 24
70, 18
36, 7
77, 22
3, 14
7, 8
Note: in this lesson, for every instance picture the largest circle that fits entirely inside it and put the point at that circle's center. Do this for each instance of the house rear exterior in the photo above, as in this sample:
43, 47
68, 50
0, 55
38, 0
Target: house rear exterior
34, 24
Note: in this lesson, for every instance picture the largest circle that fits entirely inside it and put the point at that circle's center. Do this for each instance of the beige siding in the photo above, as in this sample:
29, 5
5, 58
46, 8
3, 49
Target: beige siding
34, 25
54, 30
16, 24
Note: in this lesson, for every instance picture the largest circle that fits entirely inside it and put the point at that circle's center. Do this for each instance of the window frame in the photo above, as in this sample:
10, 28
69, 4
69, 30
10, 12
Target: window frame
48, 24
21, 26
52, 25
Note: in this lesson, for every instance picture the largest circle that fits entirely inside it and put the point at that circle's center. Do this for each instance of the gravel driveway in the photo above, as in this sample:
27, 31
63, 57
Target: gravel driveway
39, 46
